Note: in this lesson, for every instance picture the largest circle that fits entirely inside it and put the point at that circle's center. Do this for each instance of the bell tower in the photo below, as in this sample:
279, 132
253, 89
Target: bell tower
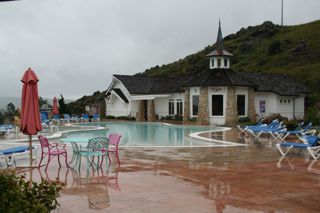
219, 57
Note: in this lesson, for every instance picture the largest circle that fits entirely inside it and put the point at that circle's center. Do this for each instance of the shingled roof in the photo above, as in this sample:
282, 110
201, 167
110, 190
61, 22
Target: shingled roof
219, 77
150, 85
278, 83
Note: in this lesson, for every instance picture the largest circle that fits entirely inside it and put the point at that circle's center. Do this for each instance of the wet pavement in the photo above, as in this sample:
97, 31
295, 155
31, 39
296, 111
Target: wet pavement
252, 178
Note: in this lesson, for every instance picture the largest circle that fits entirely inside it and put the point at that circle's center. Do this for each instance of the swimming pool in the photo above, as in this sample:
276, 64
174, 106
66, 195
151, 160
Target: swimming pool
138, 134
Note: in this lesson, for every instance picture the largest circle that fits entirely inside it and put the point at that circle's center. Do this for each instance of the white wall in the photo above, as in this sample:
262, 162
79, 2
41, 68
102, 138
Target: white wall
115, 106
299, 107
162, 104
283, 105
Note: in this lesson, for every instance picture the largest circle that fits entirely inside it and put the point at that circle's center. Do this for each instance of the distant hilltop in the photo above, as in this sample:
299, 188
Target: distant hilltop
4, 101
292, 50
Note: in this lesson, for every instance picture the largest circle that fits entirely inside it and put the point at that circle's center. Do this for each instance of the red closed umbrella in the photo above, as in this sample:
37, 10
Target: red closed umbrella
55, 110
30, 114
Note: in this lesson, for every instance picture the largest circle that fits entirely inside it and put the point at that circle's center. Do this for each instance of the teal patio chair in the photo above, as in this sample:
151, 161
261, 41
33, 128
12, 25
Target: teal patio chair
96, 148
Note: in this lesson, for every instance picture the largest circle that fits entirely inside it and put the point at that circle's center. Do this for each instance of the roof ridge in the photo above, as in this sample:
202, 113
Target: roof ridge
231, 80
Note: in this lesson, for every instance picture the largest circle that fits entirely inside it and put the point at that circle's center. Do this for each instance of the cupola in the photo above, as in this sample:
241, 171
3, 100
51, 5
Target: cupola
219, 58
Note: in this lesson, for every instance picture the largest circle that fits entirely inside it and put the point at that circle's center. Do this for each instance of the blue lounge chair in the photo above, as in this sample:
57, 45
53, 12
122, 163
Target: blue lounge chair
66, 118
96, 117
6, 129
272, 129
45, 122
310, 143
299, 132
84, 118
9, 154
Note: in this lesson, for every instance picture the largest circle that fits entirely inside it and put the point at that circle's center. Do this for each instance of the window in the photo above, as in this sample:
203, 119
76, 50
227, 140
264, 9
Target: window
212, 62
217, 105
179, 106
171, 107
241, 104
262, 106
225, 62
195, 104
218, 62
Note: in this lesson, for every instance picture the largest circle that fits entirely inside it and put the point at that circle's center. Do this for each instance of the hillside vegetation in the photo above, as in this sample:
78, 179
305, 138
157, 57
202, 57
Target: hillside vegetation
293, 50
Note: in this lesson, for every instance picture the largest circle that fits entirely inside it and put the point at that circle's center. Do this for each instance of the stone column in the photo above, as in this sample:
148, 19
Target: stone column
251, 106
203, 114
151, 111
231, 110
140, 113
186, 104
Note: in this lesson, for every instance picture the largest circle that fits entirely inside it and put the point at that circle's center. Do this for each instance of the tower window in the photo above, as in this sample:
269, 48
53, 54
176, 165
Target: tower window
225, 62
218, 62
212, 62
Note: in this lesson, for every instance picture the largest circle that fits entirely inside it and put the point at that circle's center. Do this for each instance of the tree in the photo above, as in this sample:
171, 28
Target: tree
62, 105
42, 102
11, 111
1, 118
11, 108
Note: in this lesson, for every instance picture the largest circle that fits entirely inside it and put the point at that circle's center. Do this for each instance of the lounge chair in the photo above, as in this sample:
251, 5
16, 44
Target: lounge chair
96, 117
45, 122
272, 129
310, 143
6, 129
244, 128
75, 118
66, 118
299, 132
10, 154
84, 118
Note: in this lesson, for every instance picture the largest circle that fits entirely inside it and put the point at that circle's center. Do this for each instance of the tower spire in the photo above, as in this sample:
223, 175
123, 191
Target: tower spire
219, 42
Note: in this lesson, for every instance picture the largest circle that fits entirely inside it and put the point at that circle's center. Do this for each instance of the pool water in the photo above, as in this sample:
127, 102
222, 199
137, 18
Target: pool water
146, 134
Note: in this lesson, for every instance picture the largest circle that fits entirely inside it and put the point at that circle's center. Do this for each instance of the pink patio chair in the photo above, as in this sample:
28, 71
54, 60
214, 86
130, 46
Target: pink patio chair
51, 150
113, 147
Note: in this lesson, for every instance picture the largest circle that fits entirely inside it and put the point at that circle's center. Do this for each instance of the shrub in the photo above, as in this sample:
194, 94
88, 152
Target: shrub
270, 118
194, 119
178, 117
243, 119
291, 124
17, 195
123, 118
312, 115
110, 117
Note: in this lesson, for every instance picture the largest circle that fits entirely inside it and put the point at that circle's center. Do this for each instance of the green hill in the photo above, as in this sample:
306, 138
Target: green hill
293, 50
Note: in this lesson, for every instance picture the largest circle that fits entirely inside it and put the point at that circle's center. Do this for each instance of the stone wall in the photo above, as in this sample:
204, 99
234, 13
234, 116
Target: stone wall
203, 113
251, 106
151, 111
186, 105
140, 114
231, 110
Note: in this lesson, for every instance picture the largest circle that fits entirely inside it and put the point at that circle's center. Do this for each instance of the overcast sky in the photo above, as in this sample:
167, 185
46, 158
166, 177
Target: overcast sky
75, 46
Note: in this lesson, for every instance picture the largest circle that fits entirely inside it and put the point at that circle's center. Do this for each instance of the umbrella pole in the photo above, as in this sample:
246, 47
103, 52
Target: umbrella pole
30, 149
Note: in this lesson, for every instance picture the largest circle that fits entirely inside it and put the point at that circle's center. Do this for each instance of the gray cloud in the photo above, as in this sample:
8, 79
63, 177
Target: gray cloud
75, 46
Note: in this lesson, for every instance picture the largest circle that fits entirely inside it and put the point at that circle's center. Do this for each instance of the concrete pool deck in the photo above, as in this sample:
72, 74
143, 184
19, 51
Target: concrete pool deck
251, 178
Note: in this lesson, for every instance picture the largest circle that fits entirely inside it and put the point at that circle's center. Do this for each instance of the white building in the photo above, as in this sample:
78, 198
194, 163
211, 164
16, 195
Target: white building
217, 95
